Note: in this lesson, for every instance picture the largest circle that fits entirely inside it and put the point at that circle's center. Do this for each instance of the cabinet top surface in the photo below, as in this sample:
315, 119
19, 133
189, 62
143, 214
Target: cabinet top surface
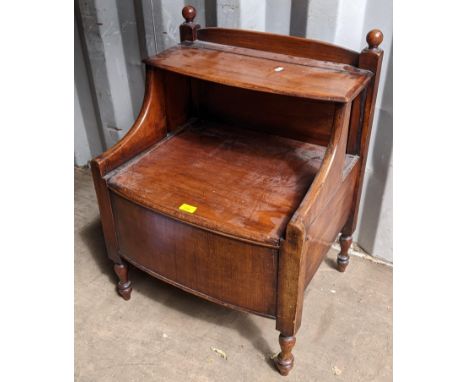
264, 71
244, 183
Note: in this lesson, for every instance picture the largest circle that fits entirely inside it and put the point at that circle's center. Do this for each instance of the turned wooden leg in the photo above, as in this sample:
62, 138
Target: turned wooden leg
124, 286
343, 257
285, 360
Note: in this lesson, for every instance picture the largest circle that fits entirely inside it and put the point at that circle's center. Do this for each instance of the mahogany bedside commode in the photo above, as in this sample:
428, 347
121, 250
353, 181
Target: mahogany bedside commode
244, 164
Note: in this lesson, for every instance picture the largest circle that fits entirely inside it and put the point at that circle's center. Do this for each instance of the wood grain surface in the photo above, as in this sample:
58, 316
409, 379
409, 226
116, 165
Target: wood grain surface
289, 45
220, 269
244, 183
263, 74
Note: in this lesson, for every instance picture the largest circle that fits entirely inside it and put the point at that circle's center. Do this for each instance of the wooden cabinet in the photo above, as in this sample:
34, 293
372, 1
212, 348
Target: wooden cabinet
244, 165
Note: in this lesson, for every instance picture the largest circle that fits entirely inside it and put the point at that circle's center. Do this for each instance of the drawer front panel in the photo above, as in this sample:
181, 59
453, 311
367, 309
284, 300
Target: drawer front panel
219, 268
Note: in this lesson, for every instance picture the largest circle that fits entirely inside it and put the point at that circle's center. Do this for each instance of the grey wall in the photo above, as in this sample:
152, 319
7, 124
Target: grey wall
112, 36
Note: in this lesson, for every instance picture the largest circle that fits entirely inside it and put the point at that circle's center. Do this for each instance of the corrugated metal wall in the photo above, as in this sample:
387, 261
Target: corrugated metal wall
113, 36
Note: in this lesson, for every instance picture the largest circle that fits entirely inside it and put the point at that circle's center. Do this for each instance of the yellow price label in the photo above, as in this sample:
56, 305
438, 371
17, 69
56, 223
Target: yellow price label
187, 208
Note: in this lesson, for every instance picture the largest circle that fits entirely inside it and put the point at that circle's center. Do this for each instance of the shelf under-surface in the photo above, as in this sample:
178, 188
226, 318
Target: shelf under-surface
244, 183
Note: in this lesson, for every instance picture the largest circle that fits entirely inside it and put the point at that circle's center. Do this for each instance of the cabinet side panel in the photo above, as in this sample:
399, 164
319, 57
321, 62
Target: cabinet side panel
178, 106
218, 268
324, 230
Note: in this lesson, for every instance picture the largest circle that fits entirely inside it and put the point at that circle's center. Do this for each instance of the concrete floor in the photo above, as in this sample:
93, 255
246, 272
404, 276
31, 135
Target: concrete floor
165, 334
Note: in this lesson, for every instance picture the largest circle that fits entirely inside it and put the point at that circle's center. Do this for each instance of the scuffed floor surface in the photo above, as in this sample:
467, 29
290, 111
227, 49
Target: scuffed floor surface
165, 334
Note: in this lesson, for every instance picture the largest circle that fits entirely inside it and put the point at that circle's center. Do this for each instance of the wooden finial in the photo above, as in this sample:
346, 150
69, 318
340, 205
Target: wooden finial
188, 29
374, 38
189, 13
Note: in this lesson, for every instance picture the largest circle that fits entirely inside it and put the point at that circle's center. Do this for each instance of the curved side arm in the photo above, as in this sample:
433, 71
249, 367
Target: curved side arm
330, 174
149, 127
292, 272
